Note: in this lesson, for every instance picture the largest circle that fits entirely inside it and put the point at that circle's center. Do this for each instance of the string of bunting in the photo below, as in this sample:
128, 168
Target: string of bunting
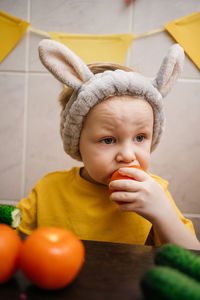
48, 35
113, 47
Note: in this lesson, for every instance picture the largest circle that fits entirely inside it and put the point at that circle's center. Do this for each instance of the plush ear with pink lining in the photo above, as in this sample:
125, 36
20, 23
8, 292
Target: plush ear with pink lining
64, 64
170, 69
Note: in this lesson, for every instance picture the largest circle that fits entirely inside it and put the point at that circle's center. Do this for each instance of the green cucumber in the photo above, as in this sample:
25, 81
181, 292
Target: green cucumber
165, 283
179, 258
10, 215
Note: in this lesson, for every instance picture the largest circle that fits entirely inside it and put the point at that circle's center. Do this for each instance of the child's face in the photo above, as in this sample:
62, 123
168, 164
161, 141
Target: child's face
117, 133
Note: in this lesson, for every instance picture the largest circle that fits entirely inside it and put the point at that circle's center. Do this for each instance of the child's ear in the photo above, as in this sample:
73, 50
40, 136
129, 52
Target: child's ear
170, 69
65, 65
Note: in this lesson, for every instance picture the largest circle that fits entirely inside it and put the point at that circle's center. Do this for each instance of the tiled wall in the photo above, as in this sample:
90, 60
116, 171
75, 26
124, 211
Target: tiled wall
29, 113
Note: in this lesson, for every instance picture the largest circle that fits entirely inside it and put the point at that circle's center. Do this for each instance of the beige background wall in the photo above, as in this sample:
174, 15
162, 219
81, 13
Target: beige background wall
29, 113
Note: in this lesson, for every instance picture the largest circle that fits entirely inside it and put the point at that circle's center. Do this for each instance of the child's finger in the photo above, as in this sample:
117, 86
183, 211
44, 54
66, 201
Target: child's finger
124, 197
135, 173
128, 185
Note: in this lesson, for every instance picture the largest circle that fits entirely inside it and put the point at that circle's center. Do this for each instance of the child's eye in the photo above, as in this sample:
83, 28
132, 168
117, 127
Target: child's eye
108, 140
140, 138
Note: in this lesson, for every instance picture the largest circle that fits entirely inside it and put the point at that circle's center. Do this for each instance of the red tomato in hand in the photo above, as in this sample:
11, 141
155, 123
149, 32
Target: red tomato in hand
117, 176
51, 257
10, 245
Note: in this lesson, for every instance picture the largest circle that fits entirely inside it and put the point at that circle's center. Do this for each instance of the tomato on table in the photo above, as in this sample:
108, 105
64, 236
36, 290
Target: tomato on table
10, 245
51, 257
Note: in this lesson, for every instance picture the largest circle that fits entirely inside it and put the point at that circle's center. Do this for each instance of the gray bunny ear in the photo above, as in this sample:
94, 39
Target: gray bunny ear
170, 69
65, 65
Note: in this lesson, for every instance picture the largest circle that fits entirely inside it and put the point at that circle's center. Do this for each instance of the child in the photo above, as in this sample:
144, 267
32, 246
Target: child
112, 118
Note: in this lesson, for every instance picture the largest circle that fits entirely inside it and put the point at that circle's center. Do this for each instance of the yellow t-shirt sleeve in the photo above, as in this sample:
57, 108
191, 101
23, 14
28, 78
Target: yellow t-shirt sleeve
187, 222
28, 208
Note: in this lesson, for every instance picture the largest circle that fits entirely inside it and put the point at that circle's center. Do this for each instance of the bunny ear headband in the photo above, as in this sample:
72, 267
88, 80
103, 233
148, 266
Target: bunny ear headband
90, 89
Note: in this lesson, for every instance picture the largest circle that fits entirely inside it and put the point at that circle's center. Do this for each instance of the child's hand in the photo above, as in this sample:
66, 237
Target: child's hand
147, 198
142, 195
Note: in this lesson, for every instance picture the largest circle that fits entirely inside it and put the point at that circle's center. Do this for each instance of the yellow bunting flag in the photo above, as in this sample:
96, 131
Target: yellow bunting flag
93, 48
186, 31
11, 30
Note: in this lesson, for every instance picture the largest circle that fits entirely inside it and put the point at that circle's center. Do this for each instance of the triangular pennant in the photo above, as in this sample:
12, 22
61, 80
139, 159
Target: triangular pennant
11, 30
93, 48
186, 31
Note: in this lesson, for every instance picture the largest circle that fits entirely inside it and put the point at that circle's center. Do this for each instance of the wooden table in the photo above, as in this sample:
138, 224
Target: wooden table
111, 271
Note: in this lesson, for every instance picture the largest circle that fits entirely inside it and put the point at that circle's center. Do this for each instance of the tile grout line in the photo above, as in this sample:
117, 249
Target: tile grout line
194, 80
191, 215
128, 58
24, 147
14, 72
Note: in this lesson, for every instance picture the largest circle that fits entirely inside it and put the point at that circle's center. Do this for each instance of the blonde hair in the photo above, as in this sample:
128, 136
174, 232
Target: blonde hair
98, 67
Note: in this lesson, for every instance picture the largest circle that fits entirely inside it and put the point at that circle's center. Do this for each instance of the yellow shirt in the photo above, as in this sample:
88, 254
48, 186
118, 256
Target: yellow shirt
65, 199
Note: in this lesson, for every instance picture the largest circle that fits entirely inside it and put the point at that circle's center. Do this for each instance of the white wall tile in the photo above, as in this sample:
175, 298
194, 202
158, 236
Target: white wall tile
150, 15
178, 156
86, 17
196, 223
16, 59
44, 146
17, 8
11, 134
146, 55
74, 16
35, 64
147, 52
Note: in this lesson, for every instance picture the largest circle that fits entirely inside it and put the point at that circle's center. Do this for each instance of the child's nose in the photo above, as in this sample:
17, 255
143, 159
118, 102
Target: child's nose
126, 154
